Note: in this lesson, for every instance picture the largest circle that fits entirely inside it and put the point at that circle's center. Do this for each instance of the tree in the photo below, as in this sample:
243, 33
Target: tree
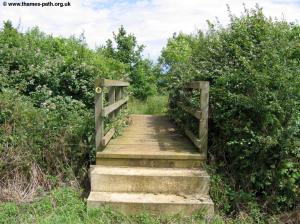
129, 52
178, 50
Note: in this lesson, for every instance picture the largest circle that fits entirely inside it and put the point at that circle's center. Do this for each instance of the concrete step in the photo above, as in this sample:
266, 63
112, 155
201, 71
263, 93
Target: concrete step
149, 180
156, 204
152, 159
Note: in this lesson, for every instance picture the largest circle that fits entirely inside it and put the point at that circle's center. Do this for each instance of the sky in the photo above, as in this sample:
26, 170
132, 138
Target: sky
151, 21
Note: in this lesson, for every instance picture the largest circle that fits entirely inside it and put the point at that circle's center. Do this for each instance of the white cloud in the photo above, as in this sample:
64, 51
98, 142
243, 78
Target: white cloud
152, 21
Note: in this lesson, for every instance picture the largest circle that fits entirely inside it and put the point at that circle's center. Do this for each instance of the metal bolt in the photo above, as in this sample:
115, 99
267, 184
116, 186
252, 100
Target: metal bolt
98, 90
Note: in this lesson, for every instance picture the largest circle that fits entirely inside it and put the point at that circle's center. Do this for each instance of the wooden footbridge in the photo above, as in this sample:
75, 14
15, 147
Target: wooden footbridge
154, 166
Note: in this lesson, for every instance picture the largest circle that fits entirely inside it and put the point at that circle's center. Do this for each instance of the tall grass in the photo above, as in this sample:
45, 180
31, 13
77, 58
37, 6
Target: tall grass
156, 105
65, 206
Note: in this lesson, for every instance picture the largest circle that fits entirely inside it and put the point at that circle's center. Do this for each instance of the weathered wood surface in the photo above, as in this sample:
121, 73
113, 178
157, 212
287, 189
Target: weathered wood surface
107, 110
108, 136
199, 141
195, 113
111, 100
197, 85
98, 119
108, 83
157, 134
115, 100
152, 135
193, 138
203, 126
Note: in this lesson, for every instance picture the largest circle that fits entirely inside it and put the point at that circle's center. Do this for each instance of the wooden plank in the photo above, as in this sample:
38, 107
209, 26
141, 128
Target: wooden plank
203, 123
112, 99
150, 130
193, 138
151, 135
119, 91
100, 111
98, 83
152, 138
107, 110
195, 113
149, 155
158, 142
196, 85
98, 119
203, 145
108, 136
109, 82
118, 94
141, 148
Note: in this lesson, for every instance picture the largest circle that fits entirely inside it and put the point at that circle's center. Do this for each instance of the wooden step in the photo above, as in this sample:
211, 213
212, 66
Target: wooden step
151, 168
174, 142
157, 159
155, 204
149, 180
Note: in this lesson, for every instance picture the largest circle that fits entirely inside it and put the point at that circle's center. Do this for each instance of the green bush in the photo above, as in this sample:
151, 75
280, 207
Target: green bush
39, 143
253, 69
46, 109
43, 66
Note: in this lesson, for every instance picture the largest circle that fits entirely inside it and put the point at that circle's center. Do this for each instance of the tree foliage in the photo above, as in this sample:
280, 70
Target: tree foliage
46, 107
253, 69
43, 66
47, 103
141, 72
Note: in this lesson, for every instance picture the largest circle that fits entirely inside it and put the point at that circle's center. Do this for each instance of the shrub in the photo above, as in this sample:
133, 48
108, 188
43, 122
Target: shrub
37, 143
46, 109
43, 66
253, 69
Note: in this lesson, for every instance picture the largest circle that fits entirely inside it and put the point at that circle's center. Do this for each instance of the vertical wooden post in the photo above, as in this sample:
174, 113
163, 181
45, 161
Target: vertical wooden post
119, 91
98, 117
203, 123
125, 94
112, 99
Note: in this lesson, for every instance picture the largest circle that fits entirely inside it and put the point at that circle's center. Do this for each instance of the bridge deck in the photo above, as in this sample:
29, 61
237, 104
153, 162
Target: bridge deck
150, 135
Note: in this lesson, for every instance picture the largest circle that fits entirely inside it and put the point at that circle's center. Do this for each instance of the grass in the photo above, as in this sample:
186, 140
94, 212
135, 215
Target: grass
65, 206
156, 105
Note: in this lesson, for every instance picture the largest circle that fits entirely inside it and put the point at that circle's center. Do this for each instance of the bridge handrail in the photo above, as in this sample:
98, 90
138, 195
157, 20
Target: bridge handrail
201, 140
116, 98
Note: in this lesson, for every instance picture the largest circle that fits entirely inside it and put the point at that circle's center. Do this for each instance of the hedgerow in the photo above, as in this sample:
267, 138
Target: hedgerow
253, 69
47, 109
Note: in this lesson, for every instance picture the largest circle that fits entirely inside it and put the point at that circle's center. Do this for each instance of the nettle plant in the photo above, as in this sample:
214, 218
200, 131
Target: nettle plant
253, 66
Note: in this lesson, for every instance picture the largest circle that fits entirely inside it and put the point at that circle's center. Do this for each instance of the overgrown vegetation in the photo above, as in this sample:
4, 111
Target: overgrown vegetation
142, 73
47, 107
40, 148
64, 205
152, 105
253, 69
47, 120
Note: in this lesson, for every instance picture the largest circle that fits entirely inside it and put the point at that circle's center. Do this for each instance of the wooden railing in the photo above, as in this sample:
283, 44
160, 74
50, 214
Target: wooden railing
200, 114
116, 99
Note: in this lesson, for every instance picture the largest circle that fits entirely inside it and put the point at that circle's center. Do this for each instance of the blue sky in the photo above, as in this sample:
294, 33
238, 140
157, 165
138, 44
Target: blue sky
152, 21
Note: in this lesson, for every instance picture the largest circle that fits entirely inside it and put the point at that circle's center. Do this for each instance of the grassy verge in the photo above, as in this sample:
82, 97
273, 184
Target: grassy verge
152, 105
64, 205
